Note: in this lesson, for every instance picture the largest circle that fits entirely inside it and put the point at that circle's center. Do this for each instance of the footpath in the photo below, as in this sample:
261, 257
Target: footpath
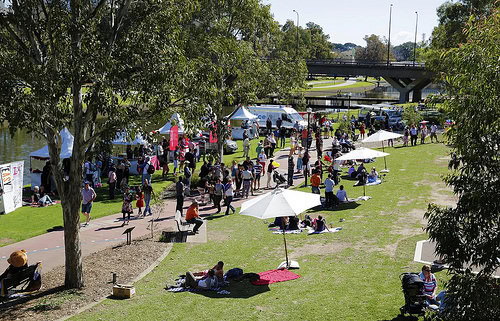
107, 231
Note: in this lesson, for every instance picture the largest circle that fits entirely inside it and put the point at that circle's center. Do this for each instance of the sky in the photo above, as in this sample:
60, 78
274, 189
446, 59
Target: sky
349, 21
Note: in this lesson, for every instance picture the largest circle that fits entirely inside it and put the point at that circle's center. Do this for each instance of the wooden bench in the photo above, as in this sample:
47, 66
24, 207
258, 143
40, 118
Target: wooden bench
182, 226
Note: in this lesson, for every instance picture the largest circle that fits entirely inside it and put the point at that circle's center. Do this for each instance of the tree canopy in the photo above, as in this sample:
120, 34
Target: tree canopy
375, 50
468, 235
94, 66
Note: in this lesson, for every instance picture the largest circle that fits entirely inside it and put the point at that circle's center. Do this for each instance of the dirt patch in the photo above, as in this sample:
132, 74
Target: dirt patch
220, 236
53, 302
319, 249
6, 241
404, 201
442, 195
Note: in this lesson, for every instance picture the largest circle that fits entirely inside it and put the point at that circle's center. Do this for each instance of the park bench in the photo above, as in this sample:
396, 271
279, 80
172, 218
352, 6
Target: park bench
179, 236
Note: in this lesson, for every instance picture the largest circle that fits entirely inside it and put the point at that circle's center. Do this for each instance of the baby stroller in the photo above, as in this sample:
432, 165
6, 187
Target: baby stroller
415, 301
278, 178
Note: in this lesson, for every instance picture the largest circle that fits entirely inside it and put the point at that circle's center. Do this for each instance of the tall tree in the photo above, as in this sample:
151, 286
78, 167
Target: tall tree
468, 235
68, 63
375, 50
232, 50
453, 17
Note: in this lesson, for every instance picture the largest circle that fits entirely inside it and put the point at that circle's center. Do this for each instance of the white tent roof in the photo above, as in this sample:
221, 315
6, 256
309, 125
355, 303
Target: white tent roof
362, 153
242, 114
165, 130
380, 136
66, 146
280, 202
122, 139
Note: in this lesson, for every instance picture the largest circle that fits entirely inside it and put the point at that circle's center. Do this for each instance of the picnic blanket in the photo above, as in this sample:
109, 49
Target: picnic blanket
179, 287
277, 230
331, 230
378, 181
28, 203
273, 276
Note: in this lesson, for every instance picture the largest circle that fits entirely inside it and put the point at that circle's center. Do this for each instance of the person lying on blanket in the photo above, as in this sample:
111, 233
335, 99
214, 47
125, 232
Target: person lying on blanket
218, 270
319, 224
210, 282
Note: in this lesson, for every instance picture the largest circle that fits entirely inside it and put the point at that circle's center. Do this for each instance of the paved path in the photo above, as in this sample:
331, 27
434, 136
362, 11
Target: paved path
107, 231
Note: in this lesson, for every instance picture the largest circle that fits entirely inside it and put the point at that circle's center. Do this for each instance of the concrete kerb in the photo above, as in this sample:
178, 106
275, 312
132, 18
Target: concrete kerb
138, 278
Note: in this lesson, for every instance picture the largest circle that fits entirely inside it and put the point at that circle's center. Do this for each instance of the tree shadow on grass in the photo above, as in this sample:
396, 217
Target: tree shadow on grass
340, 207
212, 217
56, 228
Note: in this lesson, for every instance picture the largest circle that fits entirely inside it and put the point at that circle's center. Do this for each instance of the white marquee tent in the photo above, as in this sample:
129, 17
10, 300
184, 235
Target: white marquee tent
165, 130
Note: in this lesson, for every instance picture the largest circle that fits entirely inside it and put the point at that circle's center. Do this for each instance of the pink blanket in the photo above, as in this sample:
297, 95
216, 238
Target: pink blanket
273, 276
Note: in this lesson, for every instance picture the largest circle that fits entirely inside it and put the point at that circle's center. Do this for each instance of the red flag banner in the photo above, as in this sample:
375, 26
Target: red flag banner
213, 134
174, 137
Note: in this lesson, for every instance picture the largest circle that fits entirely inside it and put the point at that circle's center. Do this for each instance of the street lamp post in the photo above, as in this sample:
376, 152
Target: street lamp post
309, 111
415, 42
389, 41
297, 49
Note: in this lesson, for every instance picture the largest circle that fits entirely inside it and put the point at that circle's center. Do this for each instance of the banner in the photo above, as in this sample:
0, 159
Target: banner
174, 137
11, 194
213, 134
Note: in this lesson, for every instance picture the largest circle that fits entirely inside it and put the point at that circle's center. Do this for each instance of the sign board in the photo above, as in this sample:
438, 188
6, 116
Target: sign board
11, 185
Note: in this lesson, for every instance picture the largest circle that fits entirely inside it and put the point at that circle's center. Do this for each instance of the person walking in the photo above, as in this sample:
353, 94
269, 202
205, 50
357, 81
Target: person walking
291, 167
140, 199
315, 182
269, 125
262, 160
179, 193
272, 140
228, 196
282, 137
413, 135
247, 177
218, 195
270, 169
258, 172
127, 205
434, 133
148, 193
88, 197
112, 182
423, 133
187, 176
246, 147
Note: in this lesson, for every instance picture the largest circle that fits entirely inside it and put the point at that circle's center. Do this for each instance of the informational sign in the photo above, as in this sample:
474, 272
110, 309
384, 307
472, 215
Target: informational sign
174, 137
11, 193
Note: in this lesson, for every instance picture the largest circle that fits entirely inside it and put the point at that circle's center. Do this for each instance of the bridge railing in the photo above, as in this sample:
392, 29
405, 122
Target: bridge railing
365, 63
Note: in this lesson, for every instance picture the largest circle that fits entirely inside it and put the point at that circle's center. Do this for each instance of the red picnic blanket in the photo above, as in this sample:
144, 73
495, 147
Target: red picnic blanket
273, 276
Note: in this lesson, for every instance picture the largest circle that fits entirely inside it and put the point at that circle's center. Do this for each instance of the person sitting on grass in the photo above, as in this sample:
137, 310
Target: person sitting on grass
209, 282
193, 217
373, 176
430, 285
293, 223
37, 199
342, 195
352, 172
218, 270
319, 224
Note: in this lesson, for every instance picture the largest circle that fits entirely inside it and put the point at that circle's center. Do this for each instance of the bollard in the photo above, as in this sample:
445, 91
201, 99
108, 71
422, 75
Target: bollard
114, 277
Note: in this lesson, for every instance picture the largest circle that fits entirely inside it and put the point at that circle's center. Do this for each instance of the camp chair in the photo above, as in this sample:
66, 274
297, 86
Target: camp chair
27, 280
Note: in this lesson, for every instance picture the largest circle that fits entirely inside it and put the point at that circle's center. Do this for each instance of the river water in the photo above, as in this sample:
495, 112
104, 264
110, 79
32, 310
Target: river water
18, 148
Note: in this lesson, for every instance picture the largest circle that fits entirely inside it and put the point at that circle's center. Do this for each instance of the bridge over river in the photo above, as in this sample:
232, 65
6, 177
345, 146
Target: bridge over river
405, 77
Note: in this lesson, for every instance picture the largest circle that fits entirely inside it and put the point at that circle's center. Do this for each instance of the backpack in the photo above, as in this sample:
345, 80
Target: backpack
233, 273
151, 169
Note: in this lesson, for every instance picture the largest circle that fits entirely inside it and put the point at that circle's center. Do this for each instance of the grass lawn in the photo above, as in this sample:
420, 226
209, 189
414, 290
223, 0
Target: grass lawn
358, 84
349, 275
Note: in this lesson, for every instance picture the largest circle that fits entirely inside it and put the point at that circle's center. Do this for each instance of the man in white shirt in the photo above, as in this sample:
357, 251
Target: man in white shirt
434, 133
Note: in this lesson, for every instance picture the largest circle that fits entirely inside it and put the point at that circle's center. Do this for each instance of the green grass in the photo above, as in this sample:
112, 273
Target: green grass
350, 275
358, 84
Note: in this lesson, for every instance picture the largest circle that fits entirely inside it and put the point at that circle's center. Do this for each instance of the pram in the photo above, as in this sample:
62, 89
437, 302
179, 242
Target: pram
415, 300
27, 280
278, 178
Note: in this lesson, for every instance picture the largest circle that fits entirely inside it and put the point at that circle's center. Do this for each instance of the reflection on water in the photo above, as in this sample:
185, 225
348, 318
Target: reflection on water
18, 148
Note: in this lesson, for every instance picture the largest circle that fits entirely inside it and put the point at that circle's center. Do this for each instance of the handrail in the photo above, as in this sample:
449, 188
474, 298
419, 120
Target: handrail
365, 63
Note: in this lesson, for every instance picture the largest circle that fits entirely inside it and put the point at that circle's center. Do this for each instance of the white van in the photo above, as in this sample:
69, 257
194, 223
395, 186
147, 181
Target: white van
288, 115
